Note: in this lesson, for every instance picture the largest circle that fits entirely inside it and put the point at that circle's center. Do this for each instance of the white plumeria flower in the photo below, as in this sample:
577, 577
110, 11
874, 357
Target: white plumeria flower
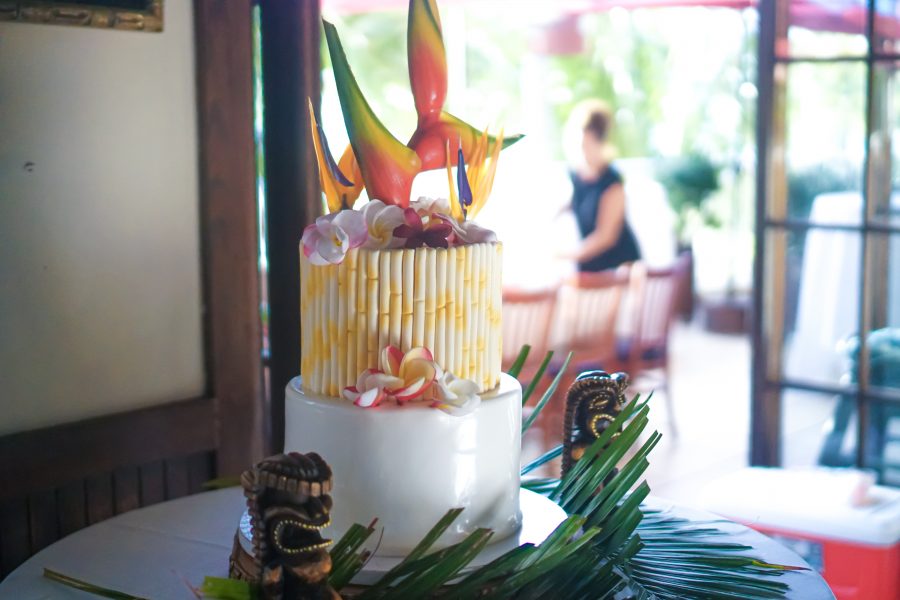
468, 232
328, 240
455, 396
370, 388
381, 220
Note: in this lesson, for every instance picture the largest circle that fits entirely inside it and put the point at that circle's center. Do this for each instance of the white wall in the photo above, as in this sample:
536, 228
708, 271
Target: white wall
100, 300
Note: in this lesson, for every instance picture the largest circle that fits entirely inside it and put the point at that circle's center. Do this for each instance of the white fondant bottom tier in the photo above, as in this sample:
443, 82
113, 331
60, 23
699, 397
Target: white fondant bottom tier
408, 465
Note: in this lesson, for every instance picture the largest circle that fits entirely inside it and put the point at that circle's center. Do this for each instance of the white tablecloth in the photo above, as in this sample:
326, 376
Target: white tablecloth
155, 552
152, 552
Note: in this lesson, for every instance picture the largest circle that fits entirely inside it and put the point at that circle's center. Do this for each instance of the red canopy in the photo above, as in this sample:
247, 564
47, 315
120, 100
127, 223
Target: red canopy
844, 16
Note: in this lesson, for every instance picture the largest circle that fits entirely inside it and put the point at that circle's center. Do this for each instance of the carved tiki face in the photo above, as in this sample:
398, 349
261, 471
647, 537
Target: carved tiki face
602, 397
296, 506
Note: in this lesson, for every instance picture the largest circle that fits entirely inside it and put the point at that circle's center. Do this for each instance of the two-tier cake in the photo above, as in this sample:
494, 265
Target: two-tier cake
400, 388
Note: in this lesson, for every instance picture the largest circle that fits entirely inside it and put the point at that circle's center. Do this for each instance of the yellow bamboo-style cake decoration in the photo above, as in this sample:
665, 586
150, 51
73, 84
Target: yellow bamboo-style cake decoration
444, 299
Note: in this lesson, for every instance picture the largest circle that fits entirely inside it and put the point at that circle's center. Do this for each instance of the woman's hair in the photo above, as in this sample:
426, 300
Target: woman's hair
597, 119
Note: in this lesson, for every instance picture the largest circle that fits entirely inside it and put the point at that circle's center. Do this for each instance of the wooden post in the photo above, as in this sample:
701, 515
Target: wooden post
229, 219
291, 73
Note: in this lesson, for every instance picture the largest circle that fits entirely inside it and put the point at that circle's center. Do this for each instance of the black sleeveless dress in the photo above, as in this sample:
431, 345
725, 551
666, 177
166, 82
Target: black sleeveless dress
586, 199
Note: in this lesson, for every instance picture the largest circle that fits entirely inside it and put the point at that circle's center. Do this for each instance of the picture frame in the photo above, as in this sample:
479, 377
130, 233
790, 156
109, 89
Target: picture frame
131, 15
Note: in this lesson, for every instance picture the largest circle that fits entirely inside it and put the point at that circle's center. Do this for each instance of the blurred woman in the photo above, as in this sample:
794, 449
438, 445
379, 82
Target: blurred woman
598, 200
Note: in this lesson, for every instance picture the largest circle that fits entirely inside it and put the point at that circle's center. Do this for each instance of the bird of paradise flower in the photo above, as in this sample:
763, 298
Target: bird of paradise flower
378, 161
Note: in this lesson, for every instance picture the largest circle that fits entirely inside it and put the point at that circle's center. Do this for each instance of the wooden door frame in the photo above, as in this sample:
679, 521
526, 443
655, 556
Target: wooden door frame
291, 74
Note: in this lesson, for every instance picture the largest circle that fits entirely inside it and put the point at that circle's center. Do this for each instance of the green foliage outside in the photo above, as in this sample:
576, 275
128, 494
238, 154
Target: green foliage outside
690, 180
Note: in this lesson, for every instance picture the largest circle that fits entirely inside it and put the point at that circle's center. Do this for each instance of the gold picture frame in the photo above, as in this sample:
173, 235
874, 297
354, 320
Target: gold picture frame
132, 15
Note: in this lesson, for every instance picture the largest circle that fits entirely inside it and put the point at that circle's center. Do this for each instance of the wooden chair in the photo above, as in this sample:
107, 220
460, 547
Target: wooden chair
585, 323
644, 352
527, 319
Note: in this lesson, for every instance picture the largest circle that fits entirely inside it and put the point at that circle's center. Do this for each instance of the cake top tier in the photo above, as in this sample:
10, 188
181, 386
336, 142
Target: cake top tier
400, 299
383, 165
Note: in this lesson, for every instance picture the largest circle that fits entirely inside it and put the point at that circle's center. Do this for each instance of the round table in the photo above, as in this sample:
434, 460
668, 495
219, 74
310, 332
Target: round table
162, 550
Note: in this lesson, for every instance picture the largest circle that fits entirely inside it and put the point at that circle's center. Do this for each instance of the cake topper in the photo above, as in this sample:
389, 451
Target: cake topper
381, 163
289, 505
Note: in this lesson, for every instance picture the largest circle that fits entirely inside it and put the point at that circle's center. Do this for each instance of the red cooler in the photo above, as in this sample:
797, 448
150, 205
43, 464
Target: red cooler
845, 528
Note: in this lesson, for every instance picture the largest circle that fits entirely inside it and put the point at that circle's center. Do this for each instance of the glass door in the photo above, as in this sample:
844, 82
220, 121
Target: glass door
826, 364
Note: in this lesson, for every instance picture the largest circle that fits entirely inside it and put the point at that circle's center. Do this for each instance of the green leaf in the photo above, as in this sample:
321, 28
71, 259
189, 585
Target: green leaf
526, 393
221, 483
221, 588
90, 588
541, 460
421, 548
426, 581
517, 365
548, 394
540, 485
477, 580
346, 561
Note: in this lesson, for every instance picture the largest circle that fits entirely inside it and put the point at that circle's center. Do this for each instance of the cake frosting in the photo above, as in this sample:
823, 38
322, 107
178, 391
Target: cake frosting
406, 465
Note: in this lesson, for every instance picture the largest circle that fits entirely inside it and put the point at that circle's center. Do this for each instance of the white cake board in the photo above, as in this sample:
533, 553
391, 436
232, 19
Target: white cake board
540, 516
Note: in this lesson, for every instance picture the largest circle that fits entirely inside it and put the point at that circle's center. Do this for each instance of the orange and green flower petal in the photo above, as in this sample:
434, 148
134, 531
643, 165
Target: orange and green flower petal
430, 140
485, 181
332, 179
348, 164
388, 167
427, 59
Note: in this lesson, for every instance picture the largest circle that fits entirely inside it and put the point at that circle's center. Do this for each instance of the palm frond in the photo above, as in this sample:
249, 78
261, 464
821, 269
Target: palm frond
346, 560
542, 460
517, 365
550, 390
529, 389
610, 546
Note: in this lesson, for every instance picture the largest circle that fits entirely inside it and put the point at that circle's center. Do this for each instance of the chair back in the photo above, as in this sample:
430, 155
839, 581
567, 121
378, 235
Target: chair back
527, 319
658, 292
588, 309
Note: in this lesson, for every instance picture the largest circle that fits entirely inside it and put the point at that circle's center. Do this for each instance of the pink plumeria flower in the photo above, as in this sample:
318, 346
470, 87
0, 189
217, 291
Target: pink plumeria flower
416, 371
381, 221
329, 239
454, 395
370, 388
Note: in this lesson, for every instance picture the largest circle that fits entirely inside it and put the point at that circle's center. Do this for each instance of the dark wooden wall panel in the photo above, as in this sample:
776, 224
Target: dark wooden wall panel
100, 498
58, 480
71, 502
40, 518
177, 482
200, 470
46, 458
126, 489
15, 541
43, 520
153, 483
